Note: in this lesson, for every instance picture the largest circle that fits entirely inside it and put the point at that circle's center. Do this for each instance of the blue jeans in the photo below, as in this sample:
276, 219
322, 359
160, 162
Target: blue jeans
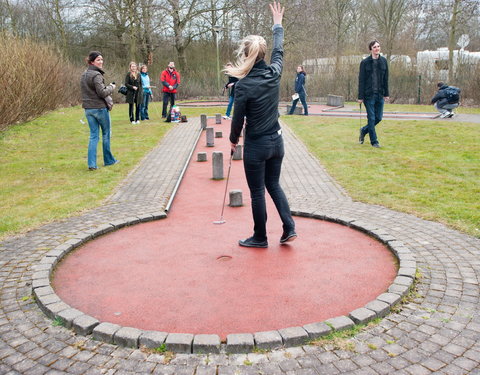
230, 105
144, 106
374, 107
262, 161
99, 119
302, 98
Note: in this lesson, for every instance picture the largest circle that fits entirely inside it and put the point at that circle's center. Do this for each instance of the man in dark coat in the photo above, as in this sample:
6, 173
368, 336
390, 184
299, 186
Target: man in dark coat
373, 90
444, 101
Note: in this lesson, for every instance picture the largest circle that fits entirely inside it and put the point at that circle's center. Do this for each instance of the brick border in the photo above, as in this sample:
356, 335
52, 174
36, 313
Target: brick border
83, 324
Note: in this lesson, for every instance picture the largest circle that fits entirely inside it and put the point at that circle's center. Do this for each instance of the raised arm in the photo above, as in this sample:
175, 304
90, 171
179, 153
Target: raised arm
277, 12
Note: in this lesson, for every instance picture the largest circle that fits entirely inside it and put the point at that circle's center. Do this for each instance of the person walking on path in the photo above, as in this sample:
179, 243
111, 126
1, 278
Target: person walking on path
446, 99
170, 79
300, 91
134, 92
373, 90
231, 97
256, 100
97, 100
147, 92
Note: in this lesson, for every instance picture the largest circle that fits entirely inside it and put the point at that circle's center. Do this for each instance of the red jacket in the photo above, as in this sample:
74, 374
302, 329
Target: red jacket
170, 79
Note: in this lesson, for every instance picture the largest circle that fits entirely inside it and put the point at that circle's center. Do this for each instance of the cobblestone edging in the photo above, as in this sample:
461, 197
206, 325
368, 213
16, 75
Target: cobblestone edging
83, 324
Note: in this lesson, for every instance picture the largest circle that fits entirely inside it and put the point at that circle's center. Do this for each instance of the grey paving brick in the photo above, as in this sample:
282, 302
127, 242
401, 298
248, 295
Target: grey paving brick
268, 340
240, 343
127, 337
380, 308
105, 332
84, 324
294, 336
179, 342
206, 344
152, 339
340, 323
390, 298
68, 316
362, 315
317, 330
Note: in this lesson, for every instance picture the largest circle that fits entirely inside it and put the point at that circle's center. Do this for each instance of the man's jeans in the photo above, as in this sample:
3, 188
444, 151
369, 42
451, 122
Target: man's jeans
144, 107
230, 105
446, 107
262, 161
374, 107
302, 98
99, 119
167, 96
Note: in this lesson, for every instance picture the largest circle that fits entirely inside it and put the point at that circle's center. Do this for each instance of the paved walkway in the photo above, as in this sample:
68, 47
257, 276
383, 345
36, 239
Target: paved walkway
437, 332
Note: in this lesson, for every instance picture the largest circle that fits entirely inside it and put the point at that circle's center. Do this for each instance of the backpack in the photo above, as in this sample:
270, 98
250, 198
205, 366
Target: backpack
452, 94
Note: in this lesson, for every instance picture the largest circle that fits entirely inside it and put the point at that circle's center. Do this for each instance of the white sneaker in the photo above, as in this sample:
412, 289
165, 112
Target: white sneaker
445, 114
133, 122
227, 118
451, 114
137, 122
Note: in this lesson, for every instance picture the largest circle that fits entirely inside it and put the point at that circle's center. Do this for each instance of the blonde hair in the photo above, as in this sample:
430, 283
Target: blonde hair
132, 74
252, 49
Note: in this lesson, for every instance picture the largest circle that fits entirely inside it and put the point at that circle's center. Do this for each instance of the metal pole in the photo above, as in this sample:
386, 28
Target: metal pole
218, 63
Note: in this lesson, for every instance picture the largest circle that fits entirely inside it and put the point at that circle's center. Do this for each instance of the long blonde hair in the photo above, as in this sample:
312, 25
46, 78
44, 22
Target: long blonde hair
132, 74
252, 49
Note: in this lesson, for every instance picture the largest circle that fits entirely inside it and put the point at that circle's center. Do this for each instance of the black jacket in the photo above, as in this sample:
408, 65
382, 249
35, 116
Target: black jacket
257, 95
134, 96
233, 80
365, 81
442, 97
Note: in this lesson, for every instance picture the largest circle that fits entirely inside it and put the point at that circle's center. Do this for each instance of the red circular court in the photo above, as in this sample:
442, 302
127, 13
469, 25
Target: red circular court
186, 274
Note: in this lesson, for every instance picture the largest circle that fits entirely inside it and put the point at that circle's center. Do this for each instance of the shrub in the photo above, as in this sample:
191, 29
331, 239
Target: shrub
37, 79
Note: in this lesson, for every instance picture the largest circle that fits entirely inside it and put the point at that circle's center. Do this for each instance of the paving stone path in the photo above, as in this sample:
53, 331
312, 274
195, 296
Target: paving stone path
438, 331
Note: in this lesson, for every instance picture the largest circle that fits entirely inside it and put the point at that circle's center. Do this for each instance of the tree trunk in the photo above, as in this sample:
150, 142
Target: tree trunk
451, 40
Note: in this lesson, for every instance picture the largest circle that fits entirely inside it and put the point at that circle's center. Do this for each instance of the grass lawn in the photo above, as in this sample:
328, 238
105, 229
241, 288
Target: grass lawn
428, 168
43, 164
420, 108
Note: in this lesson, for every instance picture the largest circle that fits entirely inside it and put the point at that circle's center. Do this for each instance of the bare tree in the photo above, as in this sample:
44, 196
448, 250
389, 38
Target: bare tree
388, 15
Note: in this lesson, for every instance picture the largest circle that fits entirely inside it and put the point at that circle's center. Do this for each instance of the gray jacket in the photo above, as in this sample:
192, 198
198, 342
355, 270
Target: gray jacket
94, 92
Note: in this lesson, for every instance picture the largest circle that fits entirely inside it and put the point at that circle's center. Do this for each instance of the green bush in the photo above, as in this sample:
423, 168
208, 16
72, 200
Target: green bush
35, 79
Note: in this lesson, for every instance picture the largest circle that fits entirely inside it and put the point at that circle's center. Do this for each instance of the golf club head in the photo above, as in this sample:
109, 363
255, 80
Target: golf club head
221, 221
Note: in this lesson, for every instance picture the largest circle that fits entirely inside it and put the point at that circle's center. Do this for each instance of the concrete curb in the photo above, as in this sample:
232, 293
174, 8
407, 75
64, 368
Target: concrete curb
107, 332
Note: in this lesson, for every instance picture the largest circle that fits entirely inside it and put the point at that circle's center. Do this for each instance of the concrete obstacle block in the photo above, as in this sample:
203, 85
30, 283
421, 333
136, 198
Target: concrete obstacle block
298, 109
235, 198
202, 156
218, 134
217, 165
218, 118
238, 154
335, 100
210, 140
203, 121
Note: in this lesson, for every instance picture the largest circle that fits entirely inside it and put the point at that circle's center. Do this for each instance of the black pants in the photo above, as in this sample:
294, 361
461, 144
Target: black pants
262, 160
137, 111
167, 96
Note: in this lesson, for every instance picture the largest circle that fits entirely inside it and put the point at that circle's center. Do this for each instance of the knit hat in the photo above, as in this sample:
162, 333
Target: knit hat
93, 55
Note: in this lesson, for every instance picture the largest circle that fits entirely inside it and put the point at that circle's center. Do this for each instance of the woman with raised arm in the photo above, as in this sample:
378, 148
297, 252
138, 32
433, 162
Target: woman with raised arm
256, 103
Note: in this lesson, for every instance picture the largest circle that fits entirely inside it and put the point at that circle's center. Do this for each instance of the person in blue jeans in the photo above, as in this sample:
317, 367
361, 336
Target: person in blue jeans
147, 93
256, 104
97, 100
231, 97
373, 91
300, 90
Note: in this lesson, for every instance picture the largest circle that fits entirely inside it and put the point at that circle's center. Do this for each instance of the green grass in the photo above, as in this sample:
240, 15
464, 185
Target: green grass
43, 164
428, 168
420, 108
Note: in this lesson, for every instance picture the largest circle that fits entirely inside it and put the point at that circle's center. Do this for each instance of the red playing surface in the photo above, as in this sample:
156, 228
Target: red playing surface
185, 274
